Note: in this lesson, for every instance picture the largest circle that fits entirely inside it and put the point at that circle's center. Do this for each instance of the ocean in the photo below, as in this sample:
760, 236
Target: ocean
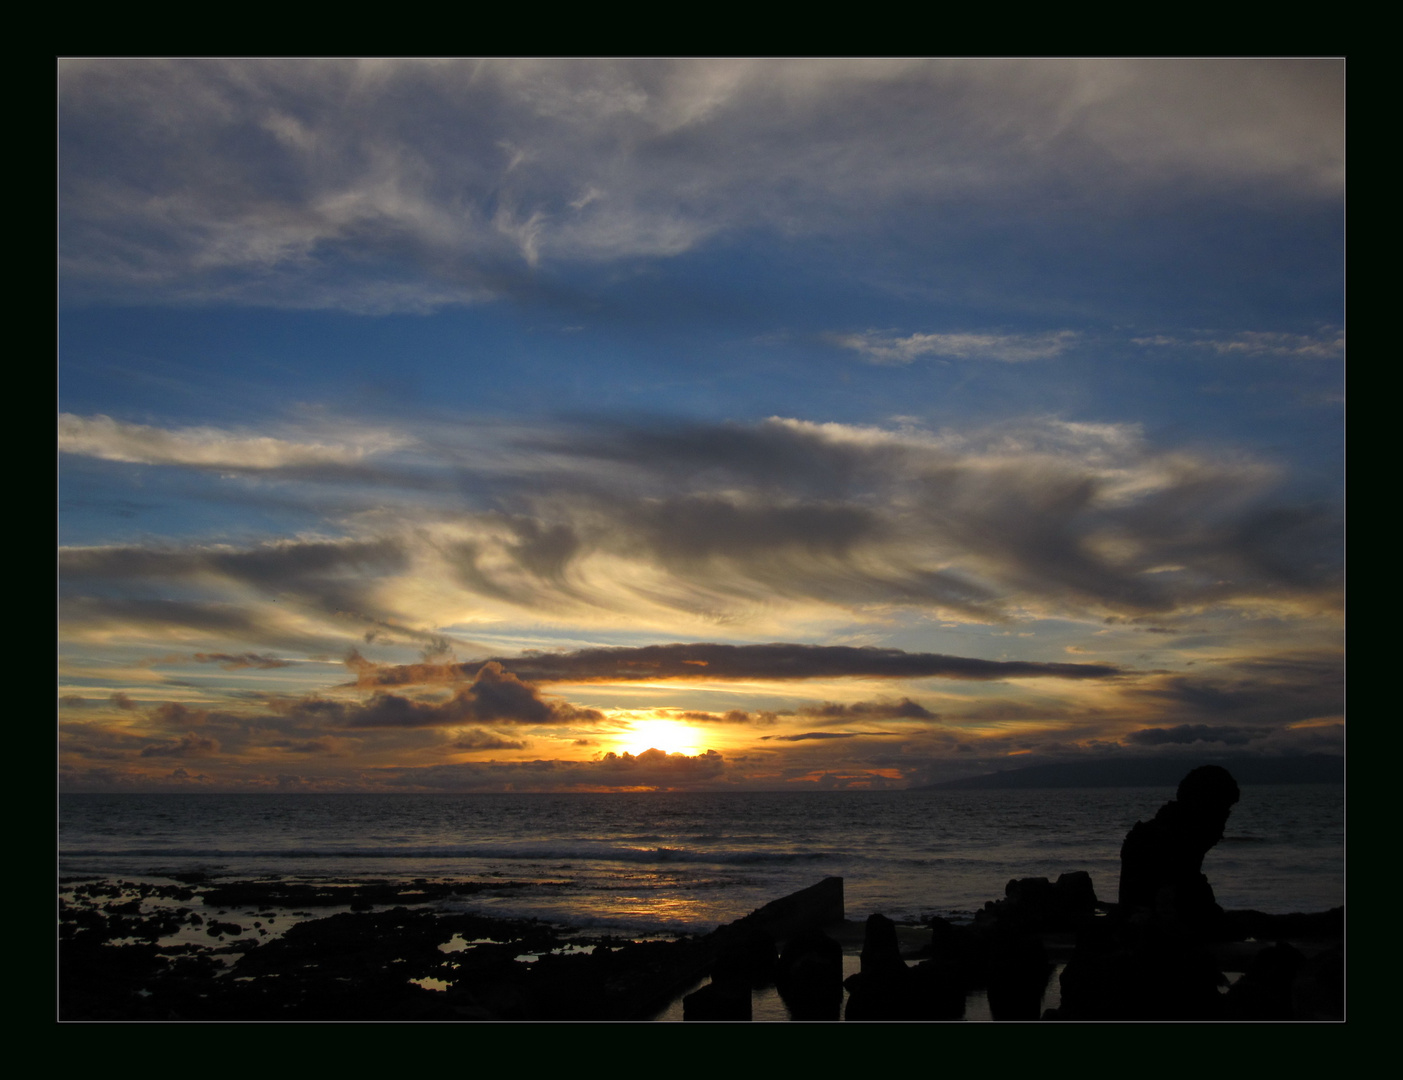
655, 863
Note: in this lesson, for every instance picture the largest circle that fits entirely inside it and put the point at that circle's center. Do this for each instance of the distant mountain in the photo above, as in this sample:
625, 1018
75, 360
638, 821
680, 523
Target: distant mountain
1158, 772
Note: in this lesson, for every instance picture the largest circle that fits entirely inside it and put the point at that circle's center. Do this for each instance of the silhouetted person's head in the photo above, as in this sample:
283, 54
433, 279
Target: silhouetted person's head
1210, 788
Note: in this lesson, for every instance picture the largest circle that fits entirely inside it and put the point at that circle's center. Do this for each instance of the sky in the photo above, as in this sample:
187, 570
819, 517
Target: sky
588, 425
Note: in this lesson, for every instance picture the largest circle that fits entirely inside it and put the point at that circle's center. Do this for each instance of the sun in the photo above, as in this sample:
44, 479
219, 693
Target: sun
669, 736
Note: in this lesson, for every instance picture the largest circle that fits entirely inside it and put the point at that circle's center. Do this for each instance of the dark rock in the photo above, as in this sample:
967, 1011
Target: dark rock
745, 954
938, 990
1075, 899
885, 988
1322, 925
881, 953
813, 908
1016, 976
1037, 906
1143, 967
1318, 990
960, 951
810, 977
1264, 991
727, 1000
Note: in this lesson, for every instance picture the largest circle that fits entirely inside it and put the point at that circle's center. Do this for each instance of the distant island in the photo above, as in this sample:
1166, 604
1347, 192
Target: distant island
1157, 772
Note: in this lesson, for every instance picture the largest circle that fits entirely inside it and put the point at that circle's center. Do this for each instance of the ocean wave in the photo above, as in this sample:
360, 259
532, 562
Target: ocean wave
574, 853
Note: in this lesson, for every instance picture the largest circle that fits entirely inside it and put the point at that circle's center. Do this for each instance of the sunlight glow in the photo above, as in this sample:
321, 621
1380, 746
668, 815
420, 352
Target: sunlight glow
668, 736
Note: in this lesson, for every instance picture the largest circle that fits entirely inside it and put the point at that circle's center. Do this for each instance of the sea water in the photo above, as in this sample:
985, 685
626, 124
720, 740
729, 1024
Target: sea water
646, 863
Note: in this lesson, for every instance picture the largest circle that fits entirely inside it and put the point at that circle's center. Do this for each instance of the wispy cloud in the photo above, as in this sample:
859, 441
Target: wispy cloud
1325, 345
705, 522
208, 448
406, 185
882, 348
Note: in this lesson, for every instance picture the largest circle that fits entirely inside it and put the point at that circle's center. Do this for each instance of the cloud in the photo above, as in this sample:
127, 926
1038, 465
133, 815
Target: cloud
650, 769
496, 696
1192, 733
252, 593
382, 185
707, 661
1325, 345
245, 660
812, 735
905, 709
323, 746
189, 745
206, 448
1272, 691
478, 739
1009, 348
744, 525
759, 718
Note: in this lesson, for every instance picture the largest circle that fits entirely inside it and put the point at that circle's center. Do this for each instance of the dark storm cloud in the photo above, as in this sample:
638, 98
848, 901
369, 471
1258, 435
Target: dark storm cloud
774, 662
325, 745
131, 586
327, 573
245, 660
496, 696
1191, 733
808, 461
119, 612
779, 661
760, 718
651, 768
189, 745
905, 709
368, 673
811, 735
484, 740
1276, 690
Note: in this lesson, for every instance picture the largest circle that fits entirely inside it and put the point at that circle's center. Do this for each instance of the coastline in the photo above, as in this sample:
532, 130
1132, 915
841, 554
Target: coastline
365, 950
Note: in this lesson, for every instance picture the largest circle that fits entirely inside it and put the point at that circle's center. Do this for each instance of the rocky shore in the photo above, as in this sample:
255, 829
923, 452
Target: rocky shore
271, 951
378, 950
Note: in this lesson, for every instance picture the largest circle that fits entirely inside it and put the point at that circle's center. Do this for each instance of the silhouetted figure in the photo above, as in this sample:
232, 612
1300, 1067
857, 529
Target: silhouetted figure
1161, 861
